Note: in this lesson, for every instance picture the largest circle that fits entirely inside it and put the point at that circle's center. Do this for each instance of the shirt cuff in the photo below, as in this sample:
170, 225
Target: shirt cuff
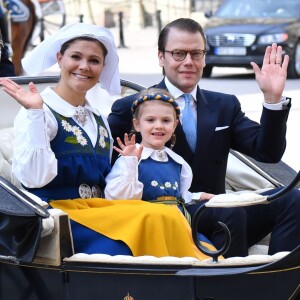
278, 106
196, 196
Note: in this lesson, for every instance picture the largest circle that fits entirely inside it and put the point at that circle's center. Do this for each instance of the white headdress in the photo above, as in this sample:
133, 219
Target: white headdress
43, 56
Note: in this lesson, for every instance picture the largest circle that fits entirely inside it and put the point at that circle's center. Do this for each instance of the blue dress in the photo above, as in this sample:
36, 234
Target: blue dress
161, 183
160, 179
79, 162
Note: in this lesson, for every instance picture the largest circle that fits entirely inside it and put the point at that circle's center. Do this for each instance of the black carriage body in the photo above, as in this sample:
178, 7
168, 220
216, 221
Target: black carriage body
108, 281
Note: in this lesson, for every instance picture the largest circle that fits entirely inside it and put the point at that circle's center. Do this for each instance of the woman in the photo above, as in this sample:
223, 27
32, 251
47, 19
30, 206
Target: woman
63, 143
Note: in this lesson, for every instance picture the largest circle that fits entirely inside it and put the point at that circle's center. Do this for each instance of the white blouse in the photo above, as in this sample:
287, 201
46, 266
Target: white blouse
122, 182
34, 163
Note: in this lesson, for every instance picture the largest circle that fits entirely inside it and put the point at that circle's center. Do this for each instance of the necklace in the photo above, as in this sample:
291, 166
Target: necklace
80, 115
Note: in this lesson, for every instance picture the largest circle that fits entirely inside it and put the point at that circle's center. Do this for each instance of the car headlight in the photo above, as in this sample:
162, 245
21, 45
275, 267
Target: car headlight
272, 38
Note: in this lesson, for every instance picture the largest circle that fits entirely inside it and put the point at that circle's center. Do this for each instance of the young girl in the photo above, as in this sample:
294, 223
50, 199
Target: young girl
151, 171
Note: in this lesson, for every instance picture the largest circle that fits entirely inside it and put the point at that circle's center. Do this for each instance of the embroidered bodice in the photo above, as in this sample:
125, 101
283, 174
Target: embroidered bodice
78, 161
160, 178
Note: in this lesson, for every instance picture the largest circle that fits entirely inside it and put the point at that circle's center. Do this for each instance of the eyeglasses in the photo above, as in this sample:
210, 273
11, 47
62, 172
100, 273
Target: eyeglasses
180, 55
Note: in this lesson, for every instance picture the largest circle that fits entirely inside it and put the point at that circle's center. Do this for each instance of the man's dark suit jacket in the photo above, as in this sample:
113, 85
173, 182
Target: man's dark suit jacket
221, 126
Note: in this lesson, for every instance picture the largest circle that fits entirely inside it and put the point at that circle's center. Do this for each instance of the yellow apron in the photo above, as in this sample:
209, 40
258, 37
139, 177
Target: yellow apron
147, 228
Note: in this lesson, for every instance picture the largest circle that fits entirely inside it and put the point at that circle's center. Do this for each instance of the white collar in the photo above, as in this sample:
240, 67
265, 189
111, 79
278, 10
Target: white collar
61, 106
148, 151
176, 92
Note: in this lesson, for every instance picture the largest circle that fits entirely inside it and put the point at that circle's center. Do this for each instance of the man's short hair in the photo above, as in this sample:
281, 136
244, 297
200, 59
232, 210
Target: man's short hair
184, 24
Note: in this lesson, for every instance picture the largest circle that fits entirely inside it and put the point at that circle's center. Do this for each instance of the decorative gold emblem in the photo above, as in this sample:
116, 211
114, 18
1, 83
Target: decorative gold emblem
128, 297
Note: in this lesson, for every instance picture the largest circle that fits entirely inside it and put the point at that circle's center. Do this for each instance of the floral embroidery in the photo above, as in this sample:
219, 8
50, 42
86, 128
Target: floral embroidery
66, 126
175, 186
103, 131
166, 185
78, 138
103, 135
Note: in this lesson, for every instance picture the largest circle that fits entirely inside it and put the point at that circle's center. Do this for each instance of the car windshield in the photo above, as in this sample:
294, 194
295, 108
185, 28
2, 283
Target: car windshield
236, 9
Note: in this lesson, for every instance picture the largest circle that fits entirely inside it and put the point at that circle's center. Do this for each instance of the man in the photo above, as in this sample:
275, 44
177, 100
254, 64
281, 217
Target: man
221, 126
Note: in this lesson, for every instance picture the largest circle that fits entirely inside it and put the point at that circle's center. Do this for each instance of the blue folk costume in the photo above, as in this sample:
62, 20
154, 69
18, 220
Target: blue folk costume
160, 176
81, 172
80, 164
161, 180
58, 160
128, 227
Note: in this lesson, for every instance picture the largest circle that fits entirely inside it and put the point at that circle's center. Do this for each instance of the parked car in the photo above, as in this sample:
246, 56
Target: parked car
239, 32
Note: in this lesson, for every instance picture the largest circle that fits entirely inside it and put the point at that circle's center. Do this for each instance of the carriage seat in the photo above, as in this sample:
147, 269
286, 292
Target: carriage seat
58, 244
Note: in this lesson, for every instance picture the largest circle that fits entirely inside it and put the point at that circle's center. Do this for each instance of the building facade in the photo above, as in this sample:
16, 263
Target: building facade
138, 13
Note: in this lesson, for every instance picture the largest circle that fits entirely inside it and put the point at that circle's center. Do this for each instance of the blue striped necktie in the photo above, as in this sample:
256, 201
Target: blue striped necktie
188, 122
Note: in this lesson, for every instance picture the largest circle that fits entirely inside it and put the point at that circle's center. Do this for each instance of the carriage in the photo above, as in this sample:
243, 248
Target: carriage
42, 265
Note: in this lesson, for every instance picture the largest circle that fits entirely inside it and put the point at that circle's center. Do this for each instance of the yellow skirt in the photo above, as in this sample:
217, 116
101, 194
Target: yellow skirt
146, 228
